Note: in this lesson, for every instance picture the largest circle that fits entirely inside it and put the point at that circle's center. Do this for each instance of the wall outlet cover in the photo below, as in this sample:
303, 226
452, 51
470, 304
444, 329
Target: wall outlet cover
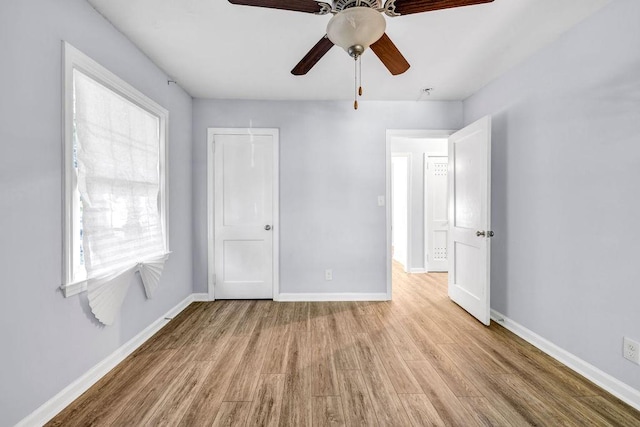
328, 274
631, 350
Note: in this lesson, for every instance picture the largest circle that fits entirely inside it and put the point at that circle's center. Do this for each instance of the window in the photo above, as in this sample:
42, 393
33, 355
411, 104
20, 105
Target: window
115, 175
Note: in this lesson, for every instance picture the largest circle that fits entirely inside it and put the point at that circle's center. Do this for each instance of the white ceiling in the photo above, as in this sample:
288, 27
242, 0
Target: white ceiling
218, 50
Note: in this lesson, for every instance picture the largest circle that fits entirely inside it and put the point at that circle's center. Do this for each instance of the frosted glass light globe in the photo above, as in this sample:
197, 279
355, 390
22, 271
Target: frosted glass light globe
356, 26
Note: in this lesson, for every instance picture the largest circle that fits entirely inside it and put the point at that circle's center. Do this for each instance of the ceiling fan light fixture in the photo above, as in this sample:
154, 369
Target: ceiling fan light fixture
356, 28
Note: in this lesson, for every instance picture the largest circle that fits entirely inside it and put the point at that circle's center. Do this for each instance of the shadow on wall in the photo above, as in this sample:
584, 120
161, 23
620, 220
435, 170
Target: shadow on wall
499, 214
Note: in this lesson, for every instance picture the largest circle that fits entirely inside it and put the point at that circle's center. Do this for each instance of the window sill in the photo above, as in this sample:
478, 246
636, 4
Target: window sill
72, 289
80, 286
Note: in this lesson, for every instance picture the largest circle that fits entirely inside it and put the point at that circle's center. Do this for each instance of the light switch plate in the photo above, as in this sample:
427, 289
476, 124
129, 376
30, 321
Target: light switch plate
381, 200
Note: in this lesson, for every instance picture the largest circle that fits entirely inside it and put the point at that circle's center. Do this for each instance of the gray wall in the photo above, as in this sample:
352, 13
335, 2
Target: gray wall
48, 341
566, 189
332, 168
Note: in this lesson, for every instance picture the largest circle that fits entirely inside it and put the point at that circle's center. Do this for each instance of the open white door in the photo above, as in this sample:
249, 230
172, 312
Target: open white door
245, 232
470, 218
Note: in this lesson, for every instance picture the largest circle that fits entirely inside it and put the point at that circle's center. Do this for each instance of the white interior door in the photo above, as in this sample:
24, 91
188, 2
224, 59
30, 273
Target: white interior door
437, 212
245, 185
470, 219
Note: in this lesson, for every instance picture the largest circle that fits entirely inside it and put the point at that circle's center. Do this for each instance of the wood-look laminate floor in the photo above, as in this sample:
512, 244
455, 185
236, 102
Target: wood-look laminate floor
418, 360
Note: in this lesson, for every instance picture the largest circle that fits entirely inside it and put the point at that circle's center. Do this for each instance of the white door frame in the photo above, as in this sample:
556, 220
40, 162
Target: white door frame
403, 133
211, 133
409, 183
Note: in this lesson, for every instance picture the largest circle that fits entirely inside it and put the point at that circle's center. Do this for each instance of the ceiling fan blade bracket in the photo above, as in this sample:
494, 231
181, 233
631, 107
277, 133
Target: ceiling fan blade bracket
325, 8
390, 8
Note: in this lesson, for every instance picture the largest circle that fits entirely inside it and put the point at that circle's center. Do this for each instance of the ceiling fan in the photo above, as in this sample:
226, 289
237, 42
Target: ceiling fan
357, 25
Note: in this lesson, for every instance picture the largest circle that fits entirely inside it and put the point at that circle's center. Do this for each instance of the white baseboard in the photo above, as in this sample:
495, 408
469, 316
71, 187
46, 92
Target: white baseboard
70, 393
203, 297
333, 297
417, 270
613, 385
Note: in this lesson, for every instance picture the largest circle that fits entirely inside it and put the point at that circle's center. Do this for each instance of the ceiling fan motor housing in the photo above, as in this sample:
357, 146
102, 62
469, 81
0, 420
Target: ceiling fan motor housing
340, 5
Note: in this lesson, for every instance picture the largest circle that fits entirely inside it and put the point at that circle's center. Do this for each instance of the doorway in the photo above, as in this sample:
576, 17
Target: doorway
469, 211
414, 225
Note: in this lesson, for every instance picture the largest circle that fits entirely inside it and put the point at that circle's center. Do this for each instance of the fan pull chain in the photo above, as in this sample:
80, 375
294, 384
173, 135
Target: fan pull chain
355, 86
358, 81
360, 75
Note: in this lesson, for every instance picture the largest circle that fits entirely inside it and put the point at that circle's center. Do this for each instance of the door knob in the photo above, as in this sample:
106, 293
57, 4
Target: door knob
480, 233
267, 227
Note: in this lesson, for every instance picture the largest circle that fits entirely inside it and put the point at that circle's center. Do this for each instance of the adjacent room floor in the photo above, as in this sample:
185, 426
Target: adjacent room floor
417, 360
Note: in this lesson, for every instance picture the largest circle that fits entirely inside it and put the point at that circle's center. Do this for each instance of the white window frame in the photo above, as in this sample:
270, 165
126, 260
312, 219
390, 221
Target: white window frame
75, 59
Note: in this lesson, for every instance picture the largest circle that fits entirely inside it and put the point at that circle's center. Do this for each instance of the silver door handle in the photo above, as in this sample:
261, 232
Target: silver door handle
267, 227
484, 233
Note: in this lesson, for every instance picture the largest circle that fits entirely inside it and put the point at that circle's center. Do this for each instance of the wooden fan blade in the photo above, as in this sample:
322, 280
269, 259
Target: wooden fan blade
406, 7
390, 55
309, 6
310, 59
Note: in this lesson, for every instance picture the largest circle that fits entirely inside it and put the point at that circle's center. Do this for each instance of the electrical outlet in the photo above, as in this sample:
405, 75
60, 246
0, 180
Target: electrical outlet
328, 274
631, 350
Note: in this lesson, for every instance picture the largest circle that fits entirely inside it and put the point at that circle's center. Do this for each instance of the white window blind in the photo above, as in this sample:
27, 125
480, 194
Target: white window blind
117, 145
115, 206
